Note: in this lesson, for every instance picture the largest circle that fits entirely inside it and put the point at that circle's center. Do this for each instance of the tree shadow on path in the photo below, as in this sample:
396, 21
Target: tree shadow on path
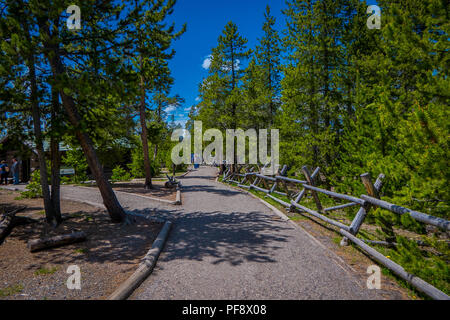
225, 237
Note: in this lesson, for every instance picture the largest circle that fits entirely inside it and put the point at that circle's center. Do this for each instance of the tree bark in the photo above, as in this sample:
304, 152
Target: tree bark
48, 206
55, 159
155, 150
144, 138
36, 115
110, 201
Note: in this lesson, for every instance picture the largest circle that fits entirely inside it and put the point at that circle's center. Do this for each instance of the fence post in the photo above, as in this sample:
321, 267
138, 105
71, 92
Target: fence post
302, 193
245, 177
311, 183
282, 173
374, 191
284, 184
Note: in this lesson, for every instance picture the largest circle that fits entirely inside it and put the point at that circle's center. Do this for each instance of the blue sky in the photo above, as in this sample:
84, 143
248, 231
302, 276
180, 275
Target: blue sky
206, 20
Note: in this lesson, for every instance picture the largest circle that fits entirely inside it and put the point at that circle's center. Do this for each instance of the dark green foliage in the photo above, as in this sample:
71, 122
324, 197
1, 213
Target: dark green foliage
74, 159
221, 106
136, 166
261, 83
120, 174
424, 263
33, 189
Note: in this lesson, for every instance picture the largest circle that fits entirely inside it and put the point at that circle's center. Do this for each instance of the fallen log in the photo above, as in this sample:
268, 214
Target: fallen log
6, 222
57, 241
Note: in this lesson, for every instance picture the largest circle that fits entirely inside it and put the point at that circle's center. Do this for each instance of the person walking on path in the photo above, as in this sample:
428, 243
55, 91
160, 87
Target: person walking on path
15, 170
4, 171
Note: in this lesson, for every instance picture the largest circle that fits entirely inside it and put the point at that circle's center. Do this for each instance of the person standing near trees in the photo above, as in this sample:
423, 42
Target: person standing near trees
4, 170
15, 171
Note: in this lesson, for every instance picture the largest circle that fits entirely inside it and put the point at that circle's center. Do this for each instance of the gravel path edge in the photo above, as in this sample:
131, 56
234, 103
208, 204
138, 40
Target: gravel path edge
140, 196
145, 268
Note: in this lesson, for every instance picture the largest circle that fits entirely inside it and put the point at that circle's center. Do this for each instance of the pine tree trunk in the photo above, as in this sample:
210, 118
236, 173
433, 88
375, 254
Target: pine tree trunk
158, 114
144, 138
55, 160
36, 115
110, 201
48, 206
55, 178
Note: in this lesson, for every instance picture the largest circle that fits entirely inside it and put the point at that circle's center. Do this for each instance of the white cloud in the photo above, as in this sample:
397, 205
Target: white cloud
170, 108
198, 99
207, 62
227, 67
188, 109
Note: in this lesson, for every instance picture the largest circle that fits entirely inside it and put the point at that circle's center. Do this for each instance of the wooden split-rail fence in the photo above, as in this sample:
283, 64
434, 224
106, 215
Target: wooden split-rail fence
250, 177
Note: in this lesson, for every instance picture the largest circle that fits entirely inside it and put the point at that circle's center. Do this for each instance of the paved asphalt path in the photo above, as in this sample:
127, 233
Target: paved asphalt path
225, 244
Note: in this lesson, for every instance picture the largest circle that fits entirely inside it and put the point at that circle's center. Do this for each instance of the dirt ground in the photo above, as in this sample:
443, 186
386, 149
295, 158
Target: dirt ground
158, 191
108, 257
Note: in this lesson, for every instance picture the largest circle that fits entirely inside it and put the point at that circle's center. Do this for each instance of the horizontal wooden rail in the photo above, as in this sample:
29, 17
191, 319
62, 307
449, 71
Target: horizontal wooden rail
278, 200
320, 216
335, 194
289, 180
365, 202
418, 283
280, 193
416, 215
342, 206
265, 177
259, 189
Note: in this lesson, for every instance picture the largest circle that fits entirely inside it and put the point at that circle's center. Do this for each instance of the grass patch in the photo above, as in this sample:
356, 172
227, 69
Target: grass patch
81, 250
9, 291
337, 240
45, 271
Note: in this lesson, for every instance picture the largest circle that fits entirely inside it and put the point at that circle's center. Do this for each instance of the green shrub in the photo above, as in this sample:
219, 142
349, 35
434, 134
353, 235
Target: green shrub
119, 174
425, 263
34, 188
137, 164
65, 180
76, 159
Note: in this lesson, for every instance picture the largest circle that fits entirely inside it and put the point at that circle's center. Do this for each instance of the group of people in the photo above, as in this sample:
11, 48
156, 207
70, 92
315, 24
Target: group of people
5, 169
